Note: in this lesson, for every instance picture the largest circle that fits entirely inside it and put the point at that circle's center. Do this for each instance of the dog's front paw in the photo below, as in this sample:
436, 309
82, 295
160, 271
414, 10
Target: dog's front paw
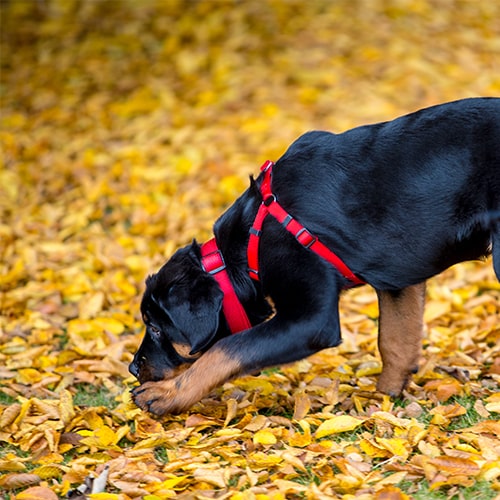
161, 398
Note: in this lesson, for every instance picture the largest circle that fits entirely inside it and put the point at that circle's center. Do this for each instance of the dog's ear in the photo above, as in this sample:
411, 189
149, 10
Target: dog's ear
194, 309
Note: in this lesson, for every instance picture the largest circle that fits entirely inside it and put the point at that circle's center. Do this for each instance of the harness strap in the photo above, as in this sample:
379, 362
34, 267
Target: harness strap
271, 206
213, 263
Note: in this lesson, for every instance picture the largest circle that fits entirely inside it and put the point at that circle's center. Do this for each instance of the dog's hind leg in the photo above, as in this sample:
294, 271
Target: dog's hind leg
400, 336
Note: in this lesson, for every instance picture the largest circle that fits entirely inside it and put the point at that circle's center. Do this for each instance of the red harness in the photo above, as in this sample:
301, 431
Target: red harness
213, 262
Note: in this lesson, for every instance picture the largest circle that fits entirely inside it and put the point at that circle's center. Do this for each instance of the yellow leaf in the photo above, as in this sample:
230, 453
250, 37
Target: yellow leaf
9, 414
385, 416
435, 309
211, 476
491, 471
93, 419
232, 410
66, 409
369, 368
10, 463
372, 449
294, 461
396, 446
493, 398
429, 449
171, 483
91, 305
103, 438
28, 376
111, 325
264, 437
264, 460
261, 385
48, 471
300, 440
341, 423
493, 403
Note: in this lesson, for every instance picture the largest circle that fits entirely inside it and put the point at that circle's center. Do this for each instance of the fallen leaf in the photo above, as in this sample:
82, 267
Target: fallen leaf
341, 423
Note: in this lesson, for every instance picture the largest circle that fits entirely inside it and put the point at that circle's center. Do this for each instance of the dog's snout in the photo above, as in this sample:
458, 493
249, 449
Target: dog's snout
133, 368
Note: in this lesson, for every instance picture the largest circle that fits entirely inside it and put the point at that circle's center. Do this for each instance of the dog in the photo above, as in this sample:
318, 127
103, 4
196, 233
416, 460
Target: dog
389, 204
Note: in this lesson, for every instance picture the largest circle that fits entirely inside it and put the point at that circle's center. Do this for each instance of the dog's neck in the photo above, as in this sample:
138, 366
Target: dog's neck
231, 232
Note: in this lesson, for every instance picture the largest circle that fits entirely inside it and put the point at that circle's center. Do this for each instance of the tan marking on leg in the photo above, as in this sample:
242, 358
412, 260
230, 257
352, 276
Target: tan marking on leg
400, 336
180, 393
146, 374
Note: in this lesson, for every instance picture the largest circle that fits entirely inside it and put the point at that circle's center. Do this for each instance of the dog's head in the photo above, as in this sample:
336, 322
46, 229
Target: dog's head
181, 309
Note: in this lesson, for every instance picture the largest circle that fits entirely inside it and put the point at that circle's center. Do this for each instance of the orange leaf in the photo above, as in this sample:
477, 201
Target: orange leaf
455, 466
444, 389
390, 493
37, 493
302, 406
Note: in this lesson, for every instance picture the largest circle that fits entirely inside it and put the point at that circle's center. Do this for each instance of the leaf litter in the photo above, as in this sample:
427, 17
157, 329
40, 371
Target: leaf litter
127, 128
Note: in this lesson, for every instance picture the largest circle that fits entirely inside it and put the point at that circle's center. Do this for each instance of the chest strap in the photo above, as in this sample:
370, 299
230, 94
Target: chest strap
270, 206
213, 263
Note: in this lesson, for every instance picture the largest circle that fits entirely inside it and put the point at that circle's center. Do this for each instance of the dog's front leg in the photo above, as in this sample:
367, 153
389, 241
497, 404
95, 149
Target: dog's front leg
180, 393
400, 336
272, 343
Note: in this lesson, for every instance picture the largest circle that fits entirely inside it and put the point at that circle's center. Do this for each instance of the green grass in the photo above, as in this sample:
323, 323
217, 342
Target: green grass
468, 419
88, 395
308, 478
161, 455
482, 490
5, 399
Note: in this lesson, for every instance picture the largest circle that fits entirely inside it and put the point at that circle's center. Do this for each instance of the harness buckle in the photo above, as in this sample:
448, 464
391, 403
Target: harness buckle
212, 259
270, 199
254, 274
305, 238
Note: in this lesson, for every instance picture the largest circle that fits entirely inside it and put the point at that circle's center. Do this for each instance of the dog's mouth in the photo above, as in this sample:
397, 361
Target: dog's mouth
146, 373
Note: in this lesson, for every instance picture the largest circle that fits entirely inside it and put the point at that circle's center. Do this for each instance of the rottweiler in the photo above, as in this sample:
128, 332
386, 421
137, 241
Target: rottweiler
389, 204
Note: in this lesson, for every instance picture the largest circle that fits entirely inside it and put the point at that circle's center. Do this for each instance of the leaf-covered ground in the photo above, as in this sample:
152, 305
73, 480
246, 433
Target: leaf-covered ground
127, 127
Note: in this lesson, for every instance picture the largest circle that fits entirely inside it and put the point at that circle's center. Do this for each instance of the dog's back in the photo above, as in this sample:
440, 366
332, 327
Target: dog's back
404, 199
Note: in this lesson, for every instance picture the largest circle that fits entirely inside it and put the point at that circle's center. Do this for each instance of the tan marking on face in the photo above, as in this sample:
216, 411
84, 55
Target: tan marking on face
184, 350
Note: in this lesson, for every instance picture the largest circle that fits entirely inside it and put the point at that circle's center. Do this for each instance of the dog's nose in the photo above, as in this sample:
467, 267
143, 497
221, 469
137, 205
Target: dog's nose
133, 368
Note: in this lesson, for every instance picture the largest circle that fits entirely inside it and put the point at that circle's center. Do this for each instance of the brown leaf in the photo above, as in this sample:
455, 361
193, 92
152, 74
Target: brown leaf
302, 405
15, 481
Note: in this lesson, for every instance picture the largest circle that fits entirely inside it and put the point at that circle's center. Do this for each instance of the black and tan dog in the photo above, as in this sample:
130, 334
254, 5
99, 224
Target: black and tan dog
389, 204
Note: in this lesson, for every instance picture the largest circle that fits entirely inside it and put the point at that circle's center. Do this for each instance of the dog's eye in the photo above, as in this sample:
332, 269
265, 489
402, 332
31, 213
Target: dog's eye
154, 330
